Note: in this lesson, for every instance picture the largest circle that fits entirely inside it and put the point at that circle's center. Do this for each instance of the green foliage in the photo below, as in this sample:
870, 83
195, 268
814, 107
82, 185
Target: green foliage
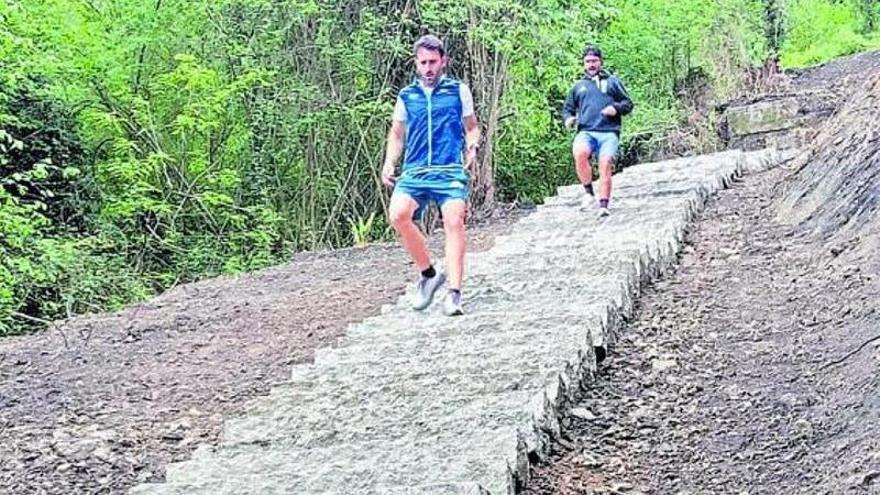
363, 230
654, 46
146, 144
50, 266
868, 12
824, 29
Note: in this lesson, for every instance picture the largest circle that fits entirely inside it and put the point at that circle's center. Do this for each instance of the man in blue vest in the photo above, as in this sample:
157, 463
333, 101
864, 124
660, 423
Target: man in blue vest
595, 106
433, 127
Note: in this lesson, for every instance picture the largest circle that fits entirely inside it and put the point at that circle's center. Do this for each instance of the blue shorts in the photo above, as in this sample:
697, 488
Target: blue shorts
606, 143
438, 186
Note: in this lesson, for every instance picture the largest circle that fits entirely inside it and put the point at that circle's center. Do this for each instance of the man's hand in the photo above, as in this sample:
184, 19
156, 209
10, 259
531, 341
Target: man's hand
388, 177
571, 122
609, 111
470, 157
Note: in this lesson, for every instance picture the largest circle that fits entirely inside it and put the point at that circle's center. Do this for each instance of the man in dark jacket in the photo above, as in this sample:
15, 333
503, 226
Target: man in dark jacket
595, 106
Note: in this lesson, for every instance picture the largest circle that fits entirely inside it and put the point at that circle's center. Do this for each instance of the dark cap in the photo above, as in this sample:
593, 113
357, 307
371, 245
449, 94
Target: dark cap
592, 50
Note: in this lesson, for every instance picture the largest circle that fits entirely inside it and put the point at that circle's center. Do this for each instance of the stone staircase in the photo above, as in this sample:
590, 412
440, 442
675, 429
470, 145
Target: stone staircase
419, 403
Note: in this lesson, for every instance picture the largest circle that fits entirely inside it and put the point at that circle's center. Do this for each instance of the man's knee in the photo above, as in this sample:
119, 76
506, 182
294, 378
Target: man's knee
582, 154
398, 218
454, 215
606, 164
455, 221
400, 214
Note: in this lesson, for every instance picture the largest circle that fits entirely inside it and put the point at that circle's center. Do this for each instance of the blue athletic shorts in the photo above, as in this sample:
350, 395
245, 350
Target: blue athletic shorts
606, 143
438, 185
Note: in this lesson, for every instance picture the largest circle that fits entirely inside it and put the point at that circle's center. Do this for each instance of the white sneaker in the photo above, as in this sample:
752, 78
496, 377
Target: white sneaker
452, 304
425, 289
604, 212
588, 201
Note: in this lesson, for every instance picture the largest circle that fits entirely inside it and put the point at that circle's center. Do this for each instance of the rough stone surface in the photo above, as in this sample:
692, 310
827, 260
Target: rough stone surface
797, 105
753, 368
835, 191
785, 121
423, 403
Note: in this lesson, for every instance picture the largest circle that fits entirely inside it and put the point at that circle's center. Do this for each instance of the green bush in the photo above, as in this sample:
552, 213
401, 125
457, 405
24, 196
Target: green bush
820, 30
146, 144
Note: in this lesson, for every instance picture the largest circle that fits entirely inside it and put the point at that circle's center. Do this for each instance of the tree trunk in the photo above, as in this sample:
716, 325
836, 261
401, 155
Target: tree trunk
487, 71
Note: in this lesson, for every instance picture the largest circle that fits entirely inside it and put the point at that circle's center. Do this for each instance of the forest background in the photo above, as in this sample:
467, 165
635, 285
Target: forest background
148, 143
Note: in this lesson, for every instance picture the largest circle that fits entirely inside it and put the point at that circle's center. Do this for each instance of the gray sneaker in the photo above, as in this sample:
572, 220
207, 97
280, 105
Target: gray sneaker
588, 202
425, 290
452, 304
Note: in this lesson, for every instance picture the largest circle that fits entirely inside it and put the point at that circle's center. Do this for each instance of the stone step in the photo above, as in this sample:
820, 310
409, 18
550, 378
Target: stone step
543, 264
541, 257
614, 226
565, 209
615, 231
608, 295
563, 348
657, 185
708, 179
552, 275
545, 259
642, 238
515, 256
687, 171
761, 160
638, 256
626, 205
435, 489
593, 309
158, 489
494, 459
308, 421
643, 191
307, 413
487, 302
462, 339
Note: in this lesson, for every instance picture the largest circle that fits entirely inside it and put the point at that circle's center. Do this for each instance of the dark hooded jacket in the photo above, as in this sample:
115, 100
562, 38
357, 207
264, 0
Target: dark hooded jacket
590, 95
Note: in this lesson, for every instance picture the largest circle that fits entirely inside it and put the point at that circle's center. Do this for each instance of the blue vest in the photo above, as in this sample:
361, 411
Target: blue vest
434, 128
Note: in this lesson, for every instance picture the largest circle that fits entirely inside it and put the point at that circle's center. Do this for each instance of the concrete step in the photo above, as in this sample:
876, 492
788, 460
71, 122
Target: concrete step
531, 287
493, 336
309, 421
562, 349
486, 305
492, 459
643, 191
642, 238
484, 325
463, 488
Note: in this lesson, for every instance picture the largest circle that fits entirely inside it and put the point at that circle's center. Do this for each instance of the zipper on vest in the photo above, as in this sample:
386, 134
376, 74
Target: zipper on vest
430, 124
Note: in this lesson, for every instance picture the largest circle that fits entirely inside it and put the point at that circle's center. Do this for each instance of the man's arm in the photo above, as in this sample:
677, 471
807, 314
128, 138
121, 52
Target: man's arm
394, 150
622, 102
569, 109
471, 127
472, 138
